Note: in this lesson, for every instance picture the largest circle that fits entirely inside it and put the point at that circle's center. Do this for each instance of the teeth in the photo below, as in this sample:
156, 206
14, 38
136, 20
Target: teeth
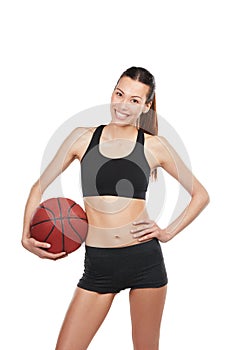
121, 115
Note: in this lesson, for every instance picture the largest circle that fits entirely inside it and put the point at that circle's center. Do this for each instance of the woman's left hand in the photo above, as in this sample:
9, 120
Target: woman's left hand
147, 229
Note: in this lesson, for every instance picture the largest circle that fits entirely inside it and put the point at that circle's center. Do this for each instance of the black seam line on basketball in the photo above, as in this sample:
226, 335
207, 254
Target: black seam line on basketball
56, 219
50, 232
71, 224
75, 231
62, 226
41, 222
50, 210
42, 206
70, 210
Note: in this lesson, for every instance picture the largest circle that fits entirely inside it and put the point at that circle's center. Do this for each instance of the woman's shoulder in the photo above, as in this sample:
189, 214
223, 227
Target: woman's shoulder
155, 140
83, 131
82, 134
81, 137
158, 145
162, 148
84, 128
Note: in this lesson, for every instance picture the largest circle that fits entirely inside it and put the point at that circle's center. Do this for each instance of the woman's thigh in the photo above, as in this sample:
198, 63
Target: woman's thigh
84, 316
146, 309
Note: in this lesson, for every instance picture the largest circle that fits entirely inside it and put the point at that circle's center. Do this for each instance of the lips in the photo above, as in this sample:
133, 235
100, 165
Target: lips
121, 115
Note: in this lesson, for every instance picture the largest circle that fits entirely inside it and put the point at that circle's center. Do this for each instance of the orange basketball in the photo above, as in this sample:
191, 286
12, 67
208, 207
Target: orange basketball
61, 222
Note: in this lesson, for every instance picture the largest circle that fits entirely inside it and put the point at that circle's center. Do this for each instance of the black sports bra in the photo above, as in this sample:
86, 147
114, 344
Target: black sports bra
126, 177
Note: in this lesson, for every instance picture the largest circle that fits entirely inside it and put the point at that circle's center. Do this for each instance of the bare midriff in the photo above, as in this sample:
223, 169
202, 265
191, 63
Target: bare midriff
110, 219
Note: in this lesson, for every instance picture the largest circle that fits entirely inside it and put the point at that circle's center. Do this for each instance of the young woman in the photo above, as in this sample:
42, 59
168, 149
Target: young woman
122, 249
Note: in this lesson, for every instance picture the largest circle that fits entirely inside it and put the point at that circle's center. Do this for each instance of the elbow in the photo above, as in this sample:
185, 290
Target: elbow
203, 197
206, 199
36, 188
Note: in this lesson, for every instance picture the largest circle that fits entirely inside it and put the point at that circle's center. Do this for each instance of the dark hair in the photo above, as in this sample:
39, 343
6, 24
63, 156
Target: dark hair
148, 122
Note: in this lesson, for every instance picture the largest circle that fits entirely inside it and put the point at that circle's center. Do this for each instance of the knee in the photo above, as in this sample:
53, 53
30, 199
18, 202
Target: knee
146, 347
143, 343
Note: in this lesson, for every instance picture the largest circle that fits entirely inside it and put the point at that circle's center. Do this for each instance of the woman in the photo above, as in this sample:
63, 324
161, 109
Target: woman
122, 248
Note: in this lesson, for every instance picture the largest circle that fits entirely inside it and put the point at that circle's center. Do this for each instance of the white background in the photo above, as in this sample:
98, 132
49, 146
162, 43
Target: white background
61, 57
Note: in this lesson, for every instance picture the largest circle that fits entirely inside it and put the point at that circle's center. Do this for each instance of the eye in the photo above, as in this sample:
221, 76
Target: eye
135, 101
118, 93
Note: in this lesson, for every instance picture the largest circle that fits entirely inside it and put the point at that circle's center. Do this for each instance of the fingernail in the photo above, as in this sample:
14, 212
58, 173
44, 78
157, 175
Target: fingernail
48, 245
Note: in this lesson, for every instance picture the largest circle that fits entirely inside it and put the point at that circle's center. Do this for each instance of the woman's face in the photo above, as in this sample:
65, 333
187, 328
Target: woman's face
128, 101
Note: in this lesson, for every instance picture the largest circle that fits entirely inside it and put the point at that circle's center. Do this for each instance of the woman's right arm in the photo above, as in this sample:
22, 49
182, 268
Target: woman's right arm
65, 155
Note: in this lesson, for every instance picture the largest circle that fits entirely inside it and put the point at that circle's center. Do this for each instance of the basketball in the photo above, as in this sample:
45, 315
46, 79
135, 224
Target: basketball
61, 222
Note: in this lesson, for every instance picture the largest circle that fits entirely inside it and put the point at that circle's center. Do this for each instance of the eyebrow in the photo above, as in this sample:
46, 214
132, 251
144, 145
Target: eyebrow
131, 96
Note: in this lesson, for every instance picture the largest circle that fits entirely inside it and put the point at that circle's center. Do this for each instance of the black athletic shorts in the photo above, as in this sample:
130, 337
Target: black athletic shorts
109, 270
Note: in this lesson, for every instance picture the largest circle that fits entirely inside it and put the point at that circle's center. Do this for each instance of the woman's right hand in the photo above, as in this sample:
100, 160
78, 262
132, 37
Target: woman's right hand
62, 159
37, 248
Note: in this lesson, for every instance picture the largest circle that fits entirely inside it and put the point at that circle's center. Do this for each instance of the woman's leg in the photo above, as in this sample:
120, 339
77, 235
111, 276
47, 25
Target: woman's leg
146, 309
84, 316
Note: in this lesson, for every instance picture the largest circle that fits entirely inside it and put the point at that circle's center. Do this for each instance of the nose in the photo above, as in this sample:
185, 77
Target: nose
123, 106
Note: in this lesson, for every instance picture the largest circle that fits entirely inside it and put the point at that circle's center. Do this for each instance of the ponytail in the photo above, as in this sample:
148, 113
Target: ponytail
148, 122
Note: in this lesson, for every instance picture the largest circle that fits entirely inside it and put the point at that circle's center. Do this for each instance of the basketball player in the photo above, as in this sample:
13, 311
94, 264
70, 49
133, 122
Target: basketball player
122, 249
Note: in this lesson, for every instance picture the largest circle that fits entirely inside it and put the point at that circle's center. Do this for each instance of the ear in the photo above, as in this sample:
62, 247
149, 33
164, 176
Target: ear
147, 106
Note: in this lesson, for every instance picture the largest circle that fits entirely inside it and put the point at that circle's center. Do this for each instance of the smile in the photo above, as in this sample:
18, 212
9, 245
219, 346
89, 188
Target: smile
121, 115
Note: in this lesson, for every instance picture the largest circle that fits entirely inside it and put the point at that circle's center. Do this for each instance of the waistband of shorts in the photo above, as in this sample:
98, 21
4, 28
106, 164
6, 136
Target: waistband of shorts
135, 248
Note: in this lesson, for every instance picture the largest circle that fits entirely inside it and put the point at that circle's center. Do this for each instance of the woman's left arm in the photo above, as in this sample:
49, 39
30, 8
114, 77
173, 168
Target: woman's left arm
170, 161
